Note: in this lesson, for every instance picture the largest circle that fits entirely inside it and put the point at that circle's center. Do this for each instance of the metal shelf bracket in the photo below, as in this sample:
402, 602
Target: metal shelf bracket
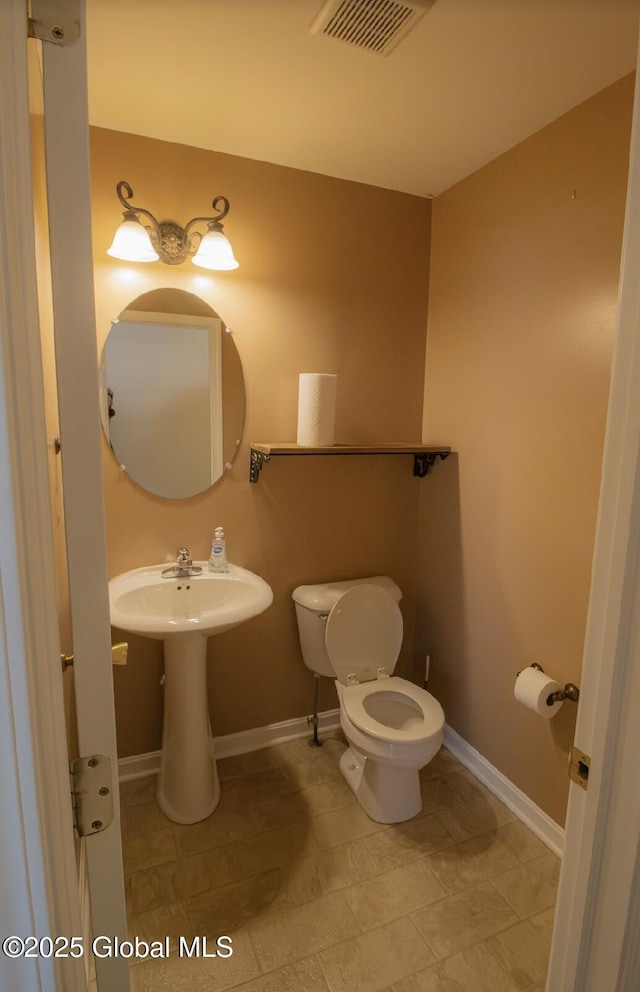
258, 458
424, 460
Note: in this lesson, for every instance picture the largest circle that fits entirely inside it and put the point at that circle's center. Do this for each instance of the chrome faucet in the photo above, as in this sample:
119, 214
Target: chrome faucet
183, 561
183, 566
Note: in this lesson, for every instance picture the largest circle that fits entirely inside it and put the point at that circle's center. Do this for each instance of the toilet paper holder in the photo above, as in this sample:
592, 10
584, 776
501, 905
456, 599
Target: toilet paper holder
570, 690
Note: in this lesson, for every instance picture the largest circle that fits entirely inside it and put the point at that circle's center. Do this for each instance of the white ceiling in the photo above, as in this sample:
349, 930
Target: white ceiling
247, 77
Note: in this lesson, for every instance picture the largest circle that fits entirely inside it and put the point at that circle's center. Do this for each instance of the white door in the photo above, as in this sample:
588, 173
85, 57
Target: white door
35, 759
596, 945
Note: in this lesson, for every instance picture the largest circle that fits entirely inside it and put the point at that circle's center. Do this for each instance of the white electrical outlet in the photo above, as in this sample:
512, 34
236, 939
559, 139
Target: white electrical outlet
427, 666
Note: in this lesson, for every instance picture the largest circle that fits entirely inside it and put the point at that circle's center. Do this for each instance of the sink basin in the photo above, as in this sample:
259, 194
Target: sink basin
183, 613
142, 602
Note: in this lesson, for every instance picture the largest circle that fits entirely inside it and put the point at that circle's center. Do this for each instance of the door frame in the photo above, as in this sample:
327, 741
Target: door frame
36, 833
68, 180
37, 853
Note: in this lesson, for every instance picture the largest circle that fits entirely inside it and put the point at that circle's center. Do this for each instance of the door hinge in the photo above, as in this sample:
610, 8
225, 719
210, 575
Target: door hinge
57, 21
91, 794
579, 764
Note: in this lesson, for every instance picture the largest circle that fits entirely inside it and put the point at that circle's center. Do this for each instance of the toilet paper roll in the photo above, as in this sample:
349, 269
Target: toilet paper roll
533, 688
316, 409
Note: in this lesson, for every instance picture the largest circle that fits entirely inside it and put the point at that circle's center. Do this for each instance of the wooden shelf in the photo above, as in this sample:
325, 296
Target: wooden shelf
424, 455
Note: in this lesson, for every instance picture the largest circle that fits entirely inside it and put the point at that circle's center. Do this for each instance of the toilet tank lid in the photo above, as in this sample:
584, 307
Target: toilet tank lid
324, 595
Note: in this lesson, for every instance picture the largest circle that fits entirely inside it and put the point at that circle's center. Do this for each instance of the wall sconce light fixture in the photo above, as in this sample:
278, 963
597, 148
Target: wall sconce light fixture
135, 241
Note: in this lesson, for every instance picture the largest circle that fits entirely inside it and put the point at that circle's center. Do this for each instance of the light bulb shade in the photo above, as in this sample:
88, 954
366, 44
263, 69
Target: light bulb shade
215, 252
132, 243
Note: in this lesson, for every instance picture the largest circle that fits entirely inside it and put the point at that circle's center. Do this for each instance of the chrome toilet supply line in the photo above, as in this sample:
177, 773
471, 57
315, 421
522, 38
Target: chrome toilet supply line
570, 690
314, 720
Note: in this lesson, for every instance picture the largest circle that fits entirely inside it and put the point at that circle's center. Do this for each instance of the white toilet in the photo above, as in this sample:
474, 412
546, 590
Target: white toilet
352, 631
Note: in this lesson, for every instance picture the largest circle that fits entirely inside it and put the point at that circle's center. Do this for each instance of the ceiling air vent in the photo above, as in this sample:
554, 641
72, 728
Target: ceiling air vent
375, 25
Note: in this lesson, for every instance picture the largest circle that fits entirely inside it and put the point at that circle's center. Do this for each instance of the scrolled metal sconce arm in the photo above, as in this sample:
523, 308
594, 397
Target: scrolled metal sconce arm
173, 243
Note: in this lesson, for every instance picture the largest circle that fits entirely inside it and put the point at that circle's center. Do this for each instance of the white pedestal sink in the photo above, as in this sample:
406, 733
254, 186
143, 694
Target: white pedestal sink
183, 613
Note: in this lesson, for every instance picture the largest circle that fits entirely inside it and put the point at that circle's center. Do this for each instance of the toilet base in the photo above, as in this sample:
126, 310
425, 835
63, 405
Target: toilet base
387, 793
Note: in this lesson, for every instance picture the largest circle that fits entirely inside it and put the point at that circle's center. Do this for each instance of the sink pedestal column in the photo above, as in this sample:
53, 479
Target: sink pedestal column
188, 784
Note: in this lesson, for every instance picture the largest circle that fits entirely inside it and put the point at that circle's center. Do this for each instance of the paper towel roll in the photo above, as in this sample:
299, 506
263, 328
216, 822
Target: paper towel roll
533, 688
316, 409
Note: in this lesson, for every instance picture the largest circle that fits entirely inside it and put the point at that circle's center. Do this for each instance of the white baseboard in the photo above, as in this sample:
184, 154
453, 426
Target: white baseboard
138, 766
524, 808
141, 765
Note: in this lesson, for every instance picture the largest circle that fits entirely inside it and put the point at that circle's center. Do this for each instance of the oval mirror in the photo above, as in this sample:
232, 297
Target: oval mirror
172, 393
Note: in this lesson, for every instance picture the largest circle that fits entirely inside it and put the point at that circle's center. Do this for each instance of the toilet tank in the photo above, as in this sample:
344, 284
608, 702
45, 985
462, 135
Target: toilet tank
313, 605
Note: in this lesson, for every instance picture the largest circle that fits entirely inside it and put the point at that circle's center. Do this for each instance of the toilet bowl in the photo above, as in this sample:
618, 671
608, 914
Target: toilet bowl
352, 631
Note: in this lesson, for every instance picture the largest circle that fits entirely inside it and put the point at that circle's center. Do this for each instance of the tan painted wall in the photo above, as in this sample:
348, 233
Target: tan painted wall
524, 278
333, 278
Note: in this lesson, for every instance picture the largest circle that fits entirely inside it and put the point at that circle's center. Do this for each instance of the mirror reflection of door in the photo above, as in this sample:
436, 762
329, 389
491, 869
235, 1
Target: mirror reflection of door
164, 400
169, 383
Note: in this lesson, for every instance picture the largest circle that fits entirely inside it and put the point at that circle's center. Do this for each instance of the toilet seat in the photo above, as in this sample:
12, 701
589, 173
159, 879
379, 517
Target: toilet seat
363, 635
415, 699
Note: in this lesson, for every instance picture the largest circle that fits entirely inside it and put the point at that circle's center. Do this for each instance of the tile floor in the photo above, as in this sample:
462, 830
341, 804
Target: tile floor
318, 898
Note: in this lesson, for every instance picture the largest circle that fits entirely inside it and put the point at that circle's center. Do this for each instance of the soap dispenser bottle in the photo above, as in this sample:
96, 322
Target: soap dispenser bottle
218, 559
